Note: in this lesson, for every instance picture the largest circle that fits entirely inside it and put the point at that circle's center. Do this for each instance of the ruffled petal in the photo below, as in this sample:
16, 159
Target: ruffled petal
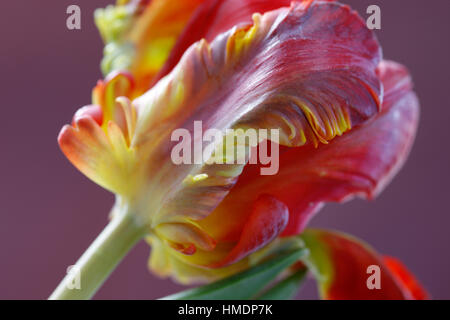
98, 141
361, 162
103, 157
213, 17
216, 16
117, 85
347, 269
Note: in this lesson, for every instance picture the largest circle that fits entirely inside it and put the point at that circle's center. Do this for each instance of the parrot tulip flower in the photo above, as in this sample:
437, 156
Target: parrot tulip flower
310, 69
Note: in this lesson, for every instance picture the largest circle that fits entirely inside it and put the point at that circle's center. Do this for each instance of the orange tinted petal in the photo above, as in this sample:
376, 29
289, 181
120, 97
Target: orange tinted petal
100, 158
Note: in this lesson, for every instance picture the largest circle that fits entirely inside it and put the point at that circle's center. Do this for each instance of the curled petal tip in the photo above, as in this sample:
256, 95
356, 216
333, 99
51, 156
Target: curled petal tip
93, 111
411, 287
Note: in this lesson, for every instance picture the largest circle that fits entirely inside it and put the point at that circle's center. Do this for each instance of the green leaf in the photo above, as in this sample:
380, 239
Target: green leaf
285, 289
244, 285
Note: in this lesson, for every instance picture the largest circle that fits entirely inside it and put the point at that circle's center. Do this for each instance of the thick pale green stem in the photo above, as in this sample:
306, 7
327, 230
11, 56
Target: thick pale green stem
100, 259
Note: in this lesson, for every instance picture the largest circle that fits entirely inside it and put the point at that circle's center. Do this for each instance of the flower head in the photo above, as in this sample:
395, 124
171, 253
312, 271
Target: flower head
310, 69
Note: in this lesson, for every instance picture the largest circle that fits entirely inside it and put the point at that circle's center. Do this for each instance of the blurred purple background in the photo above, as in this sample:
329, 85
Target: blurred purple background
50, 212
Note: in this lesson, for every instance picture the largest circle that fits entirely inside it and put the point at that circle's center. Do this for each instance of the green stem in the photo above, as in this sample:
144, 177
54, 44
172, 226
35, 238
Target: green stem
100, 259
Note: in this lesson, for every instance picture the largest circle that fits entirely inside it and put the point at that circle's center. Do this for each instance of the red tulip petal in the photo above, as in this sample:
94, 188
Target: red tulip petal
411, 287
268, 219
360, 162
347, 269
217, 16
